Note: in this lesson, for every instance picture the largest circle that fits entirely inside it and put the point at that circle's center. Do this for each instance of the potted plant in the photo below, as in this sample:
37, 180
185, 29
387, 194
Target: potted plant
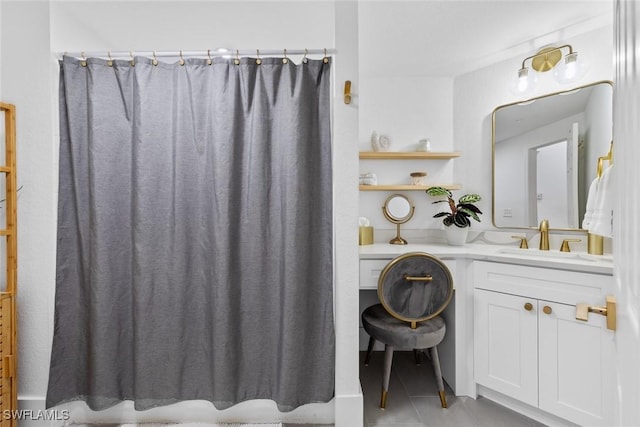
458, 215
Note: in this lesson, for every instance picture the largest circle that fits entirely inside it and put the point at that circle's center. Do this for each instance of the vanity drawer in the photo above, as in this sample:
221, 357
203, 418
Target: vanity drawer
569, 287
370, 270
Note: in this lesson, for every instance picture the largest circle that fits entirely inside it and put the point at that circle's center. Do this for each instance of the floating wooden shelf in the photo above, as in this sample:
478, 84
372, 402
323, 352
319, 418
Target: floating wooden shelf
409, 155
407, 187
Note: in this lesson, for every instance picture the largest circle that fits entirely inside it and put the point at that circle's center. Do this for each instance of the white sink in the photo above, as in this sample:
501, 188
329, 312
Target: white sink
554, 254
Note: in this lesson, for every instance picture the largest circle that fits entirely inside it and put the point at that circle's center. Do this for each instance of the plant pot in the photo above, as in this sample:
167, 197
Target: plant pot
456, 236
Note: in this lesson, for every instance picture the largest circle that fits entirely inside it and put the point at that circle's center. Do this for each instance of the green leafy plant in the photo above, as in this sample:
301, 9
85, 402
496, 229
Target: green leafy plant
459, 213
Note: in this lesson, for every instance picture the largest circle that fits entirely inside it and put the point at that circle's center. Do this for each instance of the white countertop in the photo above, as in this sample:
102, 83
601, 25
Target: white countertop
574, 261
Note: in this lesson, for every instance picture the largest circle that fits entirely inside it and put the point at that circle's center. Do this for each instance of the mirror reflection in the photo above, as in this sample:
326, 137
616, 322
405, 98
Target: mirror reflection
398, 209
545, 156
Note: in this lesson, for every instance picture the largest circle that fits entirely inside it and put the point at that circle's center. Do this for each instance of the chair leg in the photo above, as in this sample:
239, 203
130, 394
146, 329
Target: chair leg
435, 360
388, 358
367, 357
416, 355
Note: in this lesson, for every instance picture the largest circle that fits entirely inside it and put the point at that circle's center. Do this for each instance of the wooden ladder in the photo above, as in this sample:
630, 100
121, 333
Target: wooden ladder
8, 314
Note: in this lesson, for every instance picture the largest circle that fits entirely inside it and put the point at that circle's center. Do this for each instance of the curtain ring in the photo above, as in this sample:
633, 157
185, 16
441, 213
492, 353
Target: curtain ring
110, 60
209, 61
285, 59
84, 60
155, 60
181, 58
237, 60
258, 60
325, 59
304, 58
132, 62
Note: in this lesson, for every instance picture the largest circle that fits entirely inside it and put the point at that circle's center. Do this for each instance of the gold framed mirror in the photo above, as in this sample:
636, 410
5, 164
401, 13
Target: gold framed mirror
398, 209
545, 155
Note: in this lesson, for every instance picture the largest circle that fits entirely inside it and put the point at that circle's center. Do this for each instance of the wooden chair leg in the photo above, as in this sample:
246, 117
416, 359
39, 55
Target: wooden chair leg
435, 360
367, 357
416, 355
386, 374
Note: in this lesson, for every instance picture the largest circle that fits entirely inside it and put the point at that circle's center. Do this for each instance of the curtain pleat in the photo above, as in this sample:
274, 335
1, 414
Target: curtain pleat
194, 252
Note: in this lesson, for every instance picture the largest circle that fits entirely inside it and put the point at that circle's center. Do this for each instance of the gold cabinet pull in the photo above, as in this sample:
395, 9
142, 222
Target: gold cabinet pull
528, 306
609, 310
547, 309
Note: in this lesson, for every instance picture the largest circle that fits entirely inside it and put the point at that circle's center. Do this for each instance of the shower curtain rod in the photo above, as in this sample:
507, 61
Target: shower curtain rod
196, 53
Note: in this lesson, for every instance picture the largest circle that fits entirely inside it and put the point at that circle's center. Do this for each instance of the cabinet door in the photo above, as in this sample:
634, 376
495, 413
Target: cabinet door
506, 344
576, 361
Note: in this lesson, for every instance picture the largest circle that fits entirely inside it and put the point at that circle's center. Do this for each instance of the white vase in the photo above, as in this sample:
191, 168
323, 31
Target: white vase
375, 141
456, 236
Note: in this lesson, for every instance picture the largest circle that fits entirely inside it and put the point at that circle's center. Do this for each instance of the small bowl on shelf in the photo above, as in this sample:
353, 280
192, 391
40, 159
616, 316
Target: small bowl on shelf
418, 178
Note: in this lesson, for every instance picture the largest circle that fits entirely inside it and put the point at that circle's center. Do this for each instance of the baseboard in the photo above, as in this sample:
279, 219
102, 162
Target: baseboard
349, 410
524, 409
32, 413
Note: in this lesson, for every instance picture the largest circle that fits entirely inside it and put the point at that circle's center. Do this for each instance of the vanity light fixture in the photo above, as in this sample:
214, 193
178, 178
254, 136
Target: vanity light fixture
566, 69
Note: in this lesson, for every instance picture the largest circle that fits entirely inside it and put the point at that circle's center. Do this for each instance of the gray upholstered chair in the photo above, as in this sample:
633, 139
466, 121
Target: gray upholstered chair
413, 289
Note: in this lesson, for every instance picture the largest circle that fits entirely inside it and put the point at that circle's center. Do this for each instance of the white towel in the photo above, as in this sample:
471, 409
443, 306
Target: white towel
602, 220
591, 204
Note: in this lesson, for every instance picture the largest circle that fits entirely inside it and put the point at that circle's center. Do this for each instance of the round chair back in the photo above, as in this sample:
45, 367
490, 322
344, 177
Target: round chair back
415, 287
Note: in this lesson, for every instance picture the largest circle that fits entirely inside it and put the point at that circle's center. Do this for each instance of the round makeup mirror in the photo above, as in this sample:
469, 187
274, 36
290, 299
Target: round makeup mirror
398, 209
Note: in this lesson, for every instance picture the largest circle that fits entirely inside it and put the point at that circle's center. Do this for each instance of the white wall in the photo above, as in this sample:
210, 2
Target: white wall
406, 108
401, 99
33, 33
190, 25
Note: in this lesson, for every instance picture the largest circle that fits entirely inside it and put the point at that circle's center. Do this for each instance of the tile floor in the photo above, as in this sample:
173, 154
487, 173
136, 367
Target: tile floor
413, 399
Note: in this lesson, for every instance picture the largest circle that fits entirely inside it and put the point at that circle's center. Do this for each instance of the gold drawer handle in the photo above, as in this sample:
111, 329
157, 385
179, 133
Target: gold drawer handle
547, 309
528, 306
426, 278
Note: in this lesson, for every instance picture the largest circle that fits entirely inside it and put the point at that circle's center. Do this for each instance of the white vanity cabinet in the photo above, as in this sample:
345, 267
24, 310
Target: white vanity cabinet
529, 346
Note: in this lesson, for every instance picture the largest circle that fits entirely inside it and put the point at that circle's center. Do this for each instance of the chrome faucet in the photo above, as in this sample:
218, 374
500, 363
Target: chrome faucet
544, 235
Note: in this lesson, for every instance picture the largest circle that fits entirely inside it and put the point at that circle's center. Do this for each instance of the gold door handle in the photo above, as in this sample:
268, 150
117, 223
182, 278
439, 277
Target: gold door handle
528, 306
547, 309
609, 310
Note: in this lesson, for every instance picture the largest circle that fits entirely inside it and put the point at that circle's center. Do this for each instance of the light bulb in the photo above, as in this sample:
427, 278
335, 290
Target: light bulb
569, 69
525, 82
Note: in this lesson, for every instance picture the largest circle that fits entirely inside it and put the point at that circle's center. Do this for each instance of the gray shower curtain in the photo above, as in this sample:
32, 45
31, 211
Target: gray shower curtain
194, 247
